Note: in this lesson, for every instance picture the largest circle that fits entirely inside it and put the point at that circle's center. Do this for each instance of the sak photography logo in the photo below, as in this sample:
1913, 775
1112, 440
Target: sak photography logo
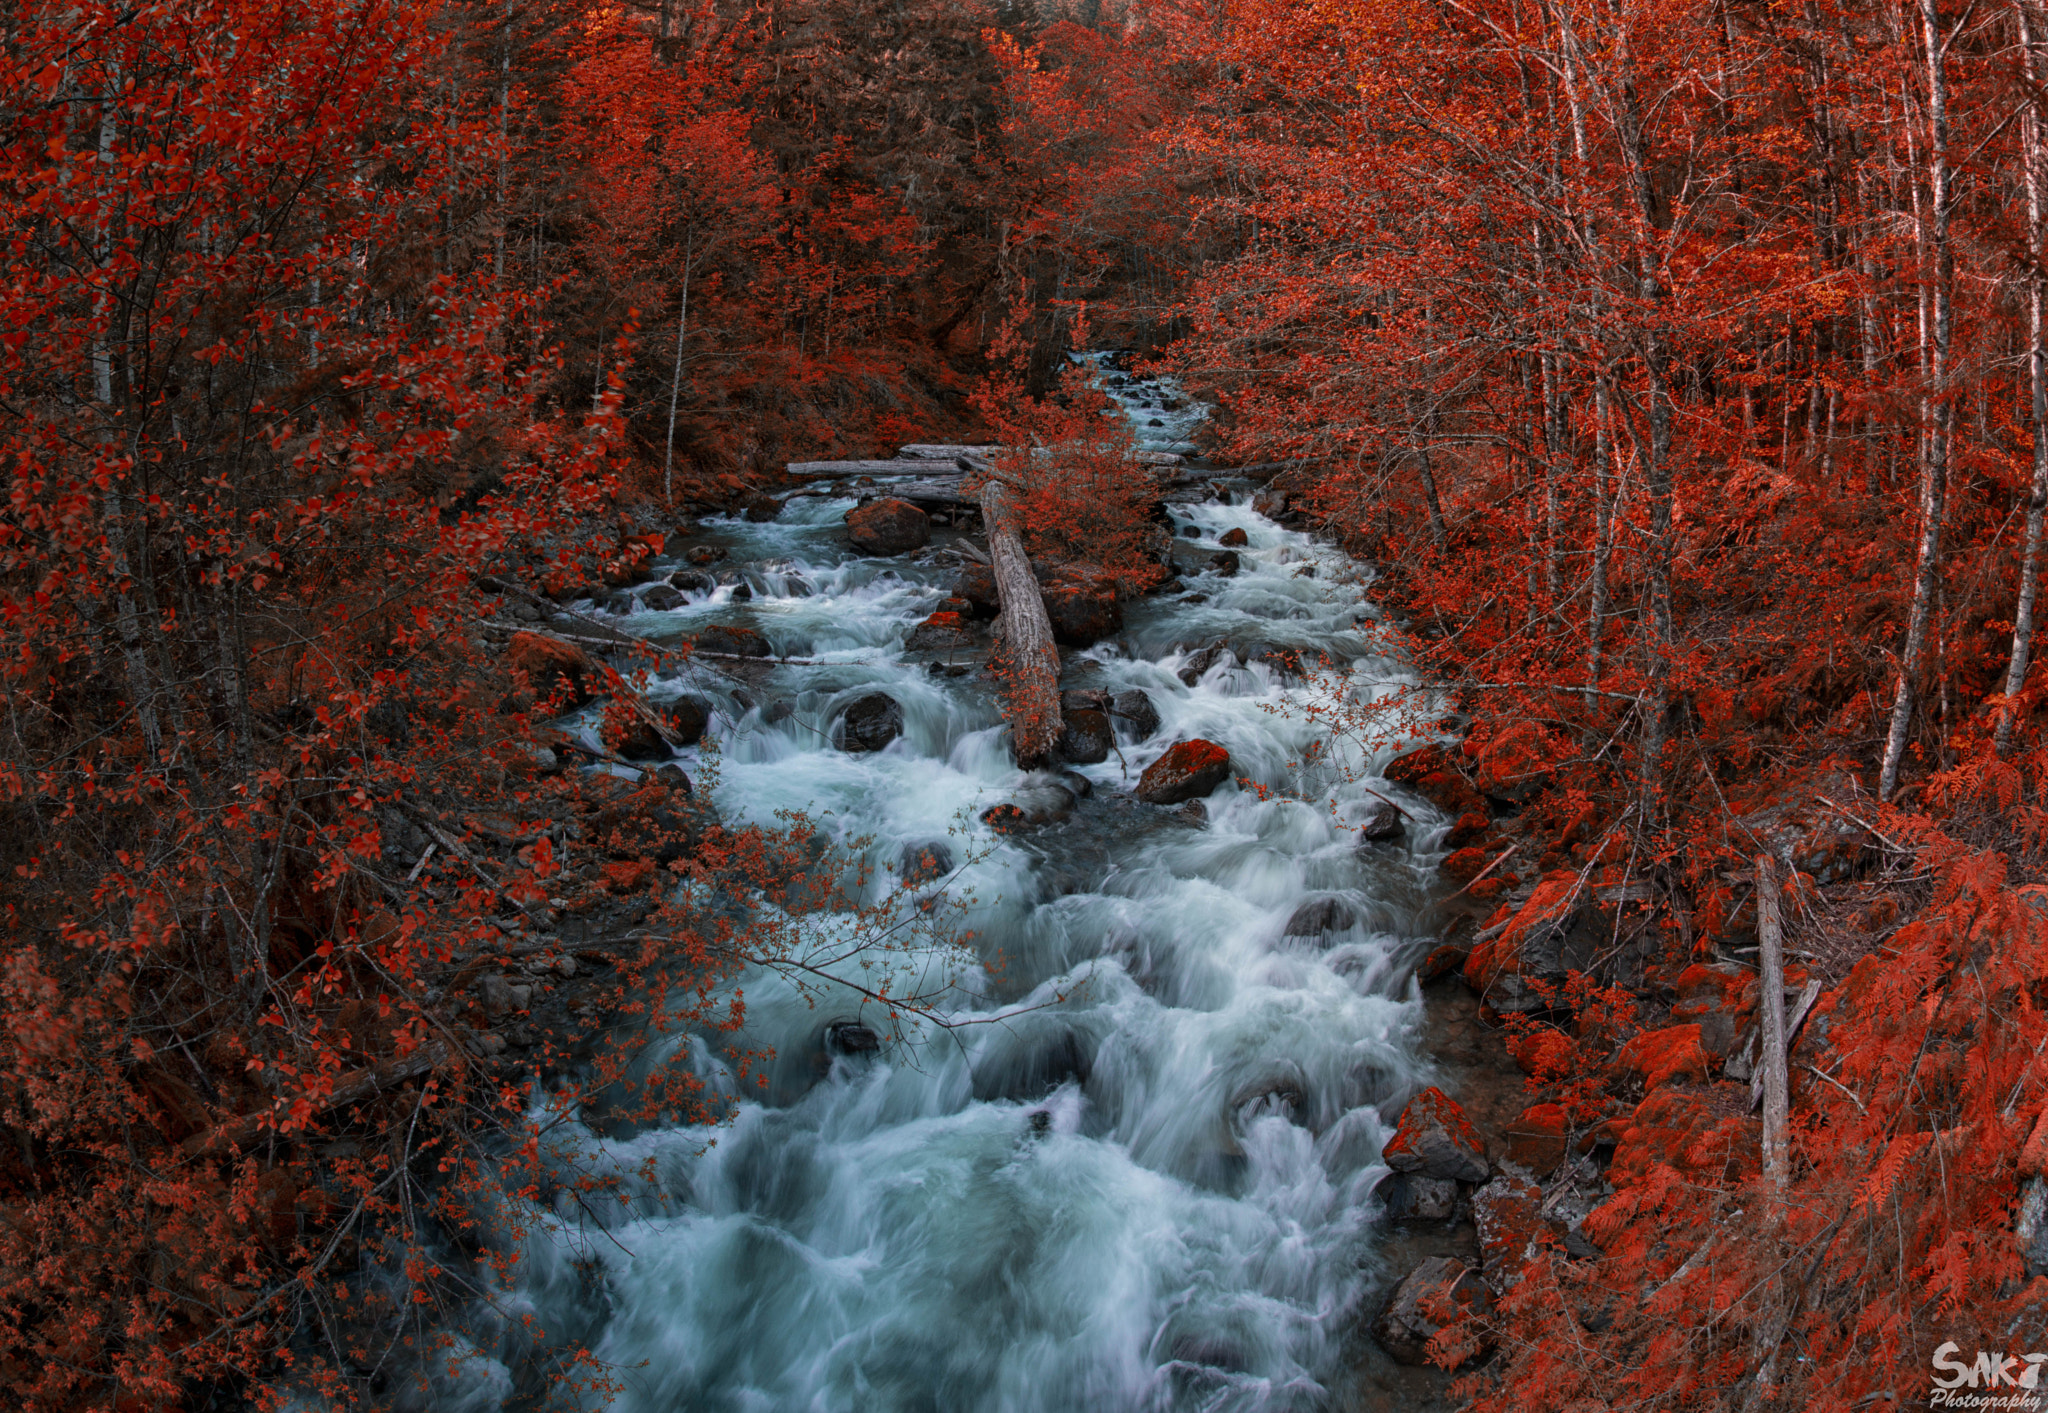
1992, 1380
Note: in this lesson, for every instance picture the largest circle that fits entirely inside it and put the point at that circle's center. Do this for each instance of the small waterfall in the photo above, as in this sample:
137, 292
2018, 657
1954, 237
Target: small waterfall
1145, 1184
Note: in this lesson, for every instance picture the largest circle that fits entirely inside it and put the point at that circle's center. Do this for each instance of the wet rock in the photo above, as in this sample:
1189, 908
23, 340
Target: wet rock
1411, 1197
944, 631
1191, 532
672, 779
781, 709
1233, 538
1082, 613
888, 526
1282, 1091
661, 598
761, 508
638, 740
1283, 663
1422, 1304
1045, 804
692, 581
705, 554
689, 717
1030, 1057
1188, 771
870, 723
976, 584
1198, 662
1075, 781
742, 592
1383, 823
732, 640
552, 666
1224, 565
1194, 812
1436, 1140
922, 863
851, 1038
1320, 918
1085, 737
1134, 710
1271, 504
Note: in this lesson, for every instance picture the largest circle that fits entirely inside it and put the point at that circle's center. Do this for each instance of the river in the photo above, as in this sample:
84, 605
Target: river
1128, 1163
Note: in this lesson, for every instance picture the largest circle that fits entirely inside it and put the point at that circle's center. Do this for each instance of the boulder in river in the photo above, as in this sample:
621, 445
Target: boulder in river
762, 507
1198, 662
1435, 1139
1411, 1197
692, 581
1082, 612
1188, 771
701, 555
1134, 709
661, 598
1413, 1314
1085, 737
1382, 823
1320, 917
976, 584
1234, 538
888, 526
733, 640
870, 722
1191, 532
926, 862
1224, 565
688, 717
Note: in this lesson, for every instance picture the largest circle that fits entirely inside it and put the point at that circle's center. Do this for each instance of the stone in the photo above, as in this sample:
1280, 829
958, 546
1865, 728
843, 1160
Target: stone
888, 526
845, 1037
1469, 828
1189, 770
976, 584
1423, 1304
1194, 813
1271, 504
1719, 998
1134, 709
1191, 532
671, 778
1538, 1140
1383, 823
1224, 565
762, 507
944, 631
742, 592
1234, 538
1430, 773
639, 740
870, 722
661, 598
1075, 781
689, 718
704, 554
1435, 1139
500, 998
1197, 663
552, 666
1508, 1212
692, 581
1082, 612
924, 863
1320, 918
733, 640
1411, 1197
1085, 738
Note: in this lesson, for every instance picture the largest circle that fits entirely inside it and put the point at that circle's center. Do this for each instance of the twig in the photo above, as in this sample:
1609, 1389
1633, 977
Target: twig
427, 854
1511, 851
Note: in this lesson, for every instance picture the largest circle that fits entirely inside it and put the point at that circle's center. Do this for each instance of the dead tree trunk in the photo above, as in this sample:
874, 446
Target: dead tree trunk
1023, 656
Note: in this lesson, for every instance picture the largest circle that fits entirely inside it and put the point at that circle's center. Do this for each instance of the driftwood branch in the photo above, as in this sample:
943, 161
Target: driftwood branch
1771, 1000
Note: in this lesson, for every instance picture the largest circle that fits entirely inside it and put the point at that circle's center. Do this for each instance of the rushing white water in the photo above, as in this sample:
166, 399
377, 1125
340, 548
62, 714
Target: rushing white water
1147, 1187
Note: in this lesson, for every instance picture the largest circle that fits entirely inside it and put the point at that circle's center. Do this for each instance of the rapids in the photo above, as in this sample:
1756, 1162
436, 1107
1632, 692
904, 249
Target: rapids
1129, 1163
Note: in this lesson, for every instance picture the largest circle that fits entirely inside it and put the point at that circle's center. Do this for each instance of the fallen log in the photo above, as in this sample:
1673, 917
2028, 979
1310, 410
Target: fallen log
939, 491
1023, 654
945, 451
824, 470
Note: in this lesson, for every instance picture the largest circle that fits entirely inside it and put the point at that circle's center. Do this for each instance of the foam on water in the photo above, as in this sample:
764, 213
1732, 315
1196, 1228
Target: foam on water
1138, 1176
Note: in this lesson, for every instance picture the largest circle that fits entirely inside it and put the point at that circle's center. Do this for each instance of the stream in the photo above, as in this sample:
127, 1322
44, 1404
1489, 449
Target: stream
1128, 1161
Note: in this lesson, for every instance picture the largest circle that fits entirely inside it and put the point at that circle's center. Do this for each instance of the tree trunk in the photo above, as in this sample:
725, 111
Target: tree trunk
1934, 465
2037, 376
1025, 659
1771, 1021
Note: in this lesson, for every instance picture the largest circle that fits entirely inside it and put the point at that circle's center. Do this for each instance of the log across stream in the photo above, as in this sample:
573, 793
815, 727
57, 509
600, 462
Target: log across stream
1139, 1174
